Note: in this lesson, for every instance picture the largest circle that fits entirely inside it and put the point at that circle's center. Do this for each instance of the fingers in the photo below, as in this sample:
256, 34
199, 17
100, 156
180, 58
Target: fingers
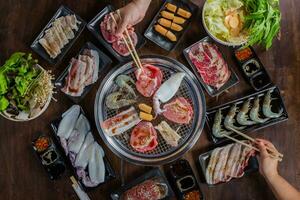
262, 148
267, 143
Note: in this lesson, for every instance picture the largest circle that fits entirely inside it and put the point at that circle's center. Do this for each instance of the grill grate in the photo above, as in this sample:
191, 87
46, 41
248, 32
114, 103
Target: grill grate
183, 130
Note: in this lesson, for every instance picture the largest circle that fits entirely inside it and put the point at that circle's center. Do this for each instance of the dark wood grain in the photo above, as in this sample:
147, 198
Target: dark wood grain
21, 175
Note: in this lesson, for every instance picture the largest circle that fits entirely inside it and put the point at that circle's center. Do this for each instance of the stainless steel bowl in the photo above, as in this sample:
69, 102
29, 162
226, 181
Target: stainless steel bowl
214, 37
163, 153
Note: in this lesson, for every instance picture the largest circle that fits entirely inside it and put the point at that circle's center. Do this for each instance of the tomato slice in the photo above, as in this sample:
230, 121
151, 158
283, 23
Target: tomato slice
148, 80
143, 137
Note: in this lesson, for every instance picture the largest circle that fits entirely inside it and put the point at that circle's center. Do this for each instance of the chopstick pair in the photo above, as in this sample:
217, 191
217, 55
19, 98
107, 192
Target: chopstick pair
80, 193
273, 154
130, 46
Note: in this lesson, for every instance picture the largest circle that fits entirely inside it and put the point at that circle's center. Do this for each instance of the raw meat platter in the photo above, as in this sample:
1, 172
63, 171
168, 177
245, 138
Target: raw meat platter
58, 36
96, 26
210, 67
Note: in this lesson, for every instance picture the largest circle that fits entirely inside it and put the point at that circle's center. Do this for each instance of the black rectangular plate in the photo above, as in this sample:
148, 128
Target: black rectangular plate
160, 40
278, 103
94, 27
154, 173
233, 80
109, 171
59, 160
261, 72
104, 61
204, 160
35, 46
186, 170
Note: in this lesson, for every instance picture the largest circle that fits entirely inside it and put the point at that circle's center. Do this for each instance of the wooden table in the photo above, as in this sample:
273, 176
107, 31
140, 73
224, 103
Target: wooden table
21, 175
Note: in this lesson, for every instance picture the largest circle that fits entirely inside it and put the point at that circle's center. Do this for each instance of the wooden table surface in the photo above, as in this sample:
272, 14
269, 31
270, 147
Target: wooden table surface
22, 176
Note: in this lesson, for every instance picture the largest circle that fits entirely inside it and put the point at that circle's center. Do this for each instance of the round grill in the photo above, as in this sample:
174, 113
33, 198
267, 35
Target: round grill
189, 89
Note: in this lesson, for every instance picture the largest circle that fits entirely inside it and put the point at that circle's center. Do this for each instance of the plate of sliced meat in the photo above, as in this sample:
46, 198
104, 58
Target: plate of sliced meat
210, 67
82, 72
152, 185
58, 35
222, 164
102, 27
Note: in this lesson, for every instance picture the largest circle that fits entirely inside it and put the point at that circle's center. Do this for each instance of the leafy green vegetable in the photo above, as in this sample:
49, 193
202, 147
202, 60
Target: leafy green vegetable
16, 76
263, 21
3, 84
3, 103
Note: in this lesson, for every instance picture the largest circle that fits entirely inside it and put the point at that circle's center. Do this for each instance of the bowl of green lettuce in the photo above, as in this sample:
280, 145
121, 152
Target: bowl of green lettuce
25, 88
242, 22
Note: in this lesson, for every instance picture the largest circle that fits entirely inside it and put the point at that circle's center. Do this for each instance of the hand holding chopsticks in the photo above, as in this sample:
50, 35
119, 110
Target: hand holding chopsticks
128, 42
273, 153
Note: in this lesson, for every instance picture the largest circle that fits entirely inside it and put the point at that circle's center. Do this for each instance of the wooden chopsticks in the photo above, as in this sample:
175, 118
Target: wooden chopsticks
130, 46
274, 154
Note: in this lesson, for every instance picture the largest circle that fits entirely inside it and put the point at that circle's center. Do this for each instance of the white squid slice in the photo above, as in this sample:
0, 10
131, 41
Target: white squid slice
169, 88
96, 165
84, 154
68, 122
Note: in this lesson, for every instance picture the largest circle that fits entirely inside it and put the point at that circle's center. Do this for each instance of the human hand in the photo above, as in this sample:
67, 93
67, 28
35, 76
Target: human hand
131, 14
267, 164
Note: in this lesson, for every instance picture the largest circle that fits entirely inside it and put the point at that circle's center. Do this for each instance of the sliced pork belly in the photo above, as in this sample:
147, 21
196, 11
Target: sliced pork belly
211, 165
232, 162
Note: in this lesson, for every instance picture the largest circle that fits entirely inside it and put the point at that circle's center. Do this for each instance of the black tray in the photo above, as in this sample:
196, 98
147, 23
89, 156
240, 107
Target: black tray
178, 170
109, 172
154, 173
55, 169
94, 27
104, 61
259, 79
253, 165
233, 80
210, 114
35, 46
160, 40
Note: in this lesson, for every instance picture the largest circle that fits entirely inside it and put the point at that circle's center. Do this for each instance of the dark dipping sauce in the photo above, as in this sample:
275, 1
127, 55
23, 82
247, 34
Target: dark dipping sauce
260, 81
251, 67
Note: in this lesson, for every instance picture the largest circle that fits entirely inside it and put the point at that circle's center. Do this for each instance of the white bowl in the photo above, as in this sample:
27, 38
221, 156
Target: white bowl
214, 37
44, 108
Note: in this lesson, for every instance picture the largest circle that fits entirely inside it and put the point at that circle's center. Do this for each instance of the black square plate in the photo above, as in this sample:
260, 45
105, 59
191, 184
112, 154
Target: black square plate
94, 27
62, 11
160, 40
204, 160
233, 80
152, 174
104, 61
277, 103
109, 171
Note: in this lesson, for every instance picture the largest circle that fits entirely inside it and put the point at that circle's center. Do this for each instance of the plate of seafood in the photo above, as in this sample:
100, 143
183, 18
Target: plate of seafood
150, 115
252, 69
102, 27
170, 23
83, 154
252, 112
227, 162
182, 178
151, 185
49, 156
210, 67
82, 72
58, 35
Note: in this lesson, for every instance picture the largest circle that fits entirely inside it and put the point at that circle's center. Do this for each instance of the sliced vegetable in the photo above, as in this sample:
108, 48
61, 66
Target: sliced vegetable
145, 108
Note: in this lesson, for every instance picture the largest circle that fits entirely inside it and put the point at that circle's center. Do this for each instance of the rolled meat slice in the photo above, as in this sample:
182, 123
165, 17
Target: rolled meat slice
179, 111
149, 79
121, 122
